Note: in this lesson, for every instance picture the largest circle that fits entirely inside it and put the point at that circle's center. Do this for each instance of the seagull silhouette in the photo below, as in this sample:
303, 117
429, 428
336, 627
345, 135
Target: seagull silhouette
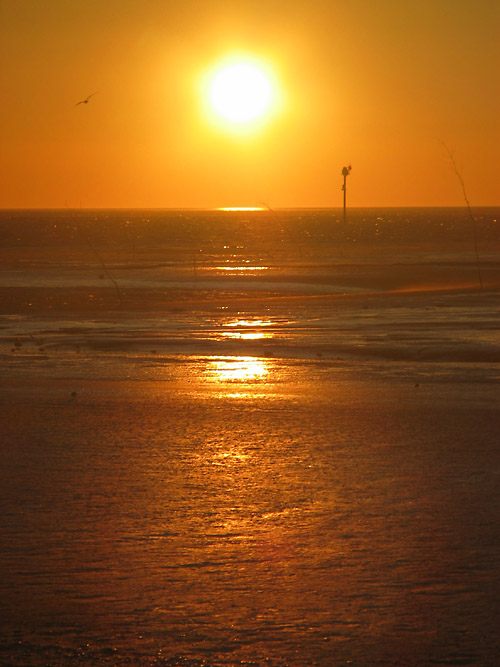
86, 100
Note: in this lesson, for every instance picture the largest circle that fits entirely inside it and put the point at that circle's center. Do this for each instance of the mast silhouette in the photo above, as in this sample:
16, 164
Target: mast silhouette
345, 174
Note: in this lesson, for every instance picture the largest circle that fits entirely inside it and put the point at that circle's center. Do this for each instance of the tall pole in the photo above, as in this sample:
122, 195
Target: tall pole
345, 174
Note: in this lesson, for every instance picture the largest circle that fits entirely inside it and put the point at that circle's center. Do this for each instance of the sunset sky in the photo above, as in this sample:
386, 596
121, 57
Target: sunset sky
379, 84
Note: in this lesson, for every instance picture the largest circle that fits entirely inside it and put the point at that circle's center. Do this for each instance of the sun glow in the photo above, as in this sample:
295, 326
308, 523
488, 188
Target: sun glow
240, 92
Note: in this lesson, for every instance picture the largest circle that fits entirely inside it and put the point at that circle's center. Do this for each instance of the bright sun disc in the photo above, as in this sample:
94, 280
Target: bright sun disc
240, 92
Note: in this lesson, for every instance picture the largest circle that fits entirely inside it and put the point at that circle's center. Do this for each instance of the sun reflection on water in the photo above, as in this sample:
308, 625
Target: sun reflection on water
240, 208
237, 369
241, 268
247, 323
247, 335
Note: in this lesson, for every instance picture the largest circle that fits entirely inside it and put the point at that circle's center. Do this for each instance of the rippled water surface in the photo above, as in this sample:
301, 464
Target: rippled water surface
249, 441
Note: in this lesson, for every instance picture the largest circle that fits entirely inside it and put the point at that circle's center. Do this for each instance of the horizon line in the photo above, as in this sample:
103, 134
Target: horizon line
238, 209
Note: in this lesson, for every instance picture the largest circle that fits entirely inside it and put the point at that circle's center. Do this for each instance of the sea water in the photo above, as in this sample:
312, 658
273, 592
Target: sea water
391, 284
249, 437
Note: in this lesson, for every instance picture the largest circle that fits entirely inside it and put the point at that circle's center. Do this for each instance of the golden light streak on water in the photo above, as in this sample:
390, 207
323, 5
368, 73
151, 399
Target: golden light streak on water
247, 335
247, 323
241, 268
237, 369
240, 208
256, 335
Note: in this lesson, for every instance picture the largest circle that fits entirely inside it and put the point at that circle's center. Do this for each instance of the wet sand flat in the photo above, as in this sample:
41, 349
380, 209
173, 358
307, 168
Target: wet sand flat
315, 518
262, 440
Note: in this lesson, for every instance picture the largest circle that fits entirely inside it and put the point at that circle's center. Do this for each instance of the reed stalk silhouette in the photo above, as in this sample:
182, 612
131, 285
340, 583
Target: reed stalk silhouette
104, 267
458, 174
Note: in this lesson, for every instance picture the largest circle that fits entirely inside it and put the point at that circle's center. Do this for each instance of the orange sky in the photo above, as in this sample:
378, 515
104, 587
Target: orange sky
381, 84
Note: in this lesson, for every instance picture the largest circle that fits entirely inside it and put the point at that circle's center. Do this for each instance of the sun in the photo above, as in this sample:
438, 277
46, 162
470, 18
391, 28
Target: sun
240, 92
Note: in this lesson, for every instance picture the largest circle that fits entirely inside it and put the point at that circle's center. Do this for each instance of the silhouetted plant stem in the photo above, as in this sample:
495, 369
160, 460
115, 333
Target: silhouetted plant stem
106, 270
103, 264
474, 232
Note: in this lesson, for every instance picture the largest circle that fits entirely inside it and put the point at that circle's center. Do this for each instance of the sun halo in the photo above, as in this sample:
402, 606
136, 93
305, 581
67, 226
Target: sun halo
240, 93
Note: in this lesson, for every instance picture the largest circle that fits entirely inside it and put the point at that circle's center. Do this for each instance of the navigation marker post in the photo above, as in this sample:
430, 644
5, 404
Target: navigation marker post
345, 174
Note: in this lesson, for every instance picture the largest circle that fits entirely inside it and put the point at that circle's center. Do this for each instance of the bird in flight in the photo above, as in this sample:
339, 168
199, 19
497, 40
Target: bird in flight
86, 100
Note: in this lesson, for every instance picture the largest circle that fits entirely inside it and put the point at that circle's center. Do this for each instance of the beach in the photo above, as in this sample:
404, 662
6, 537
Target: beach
241, 459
